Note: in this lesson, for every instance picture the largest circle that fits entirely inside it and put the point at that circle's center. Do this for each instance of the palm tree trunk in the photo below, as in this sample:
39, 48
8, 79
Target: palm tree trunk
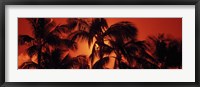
119, 58
39, 57
119, 63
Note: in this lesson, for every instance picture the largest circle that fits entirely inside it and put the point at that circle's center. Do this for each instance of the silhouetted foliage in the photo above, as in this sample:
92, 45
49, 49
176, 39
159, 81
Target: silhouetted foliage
166, 50
29, 65
79, 62
100, 64
118, 41
45, 34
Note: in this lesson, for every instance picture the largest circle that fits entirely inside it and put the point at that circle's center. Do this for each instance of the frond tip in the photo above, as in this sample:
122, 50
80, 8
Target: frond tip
24, 39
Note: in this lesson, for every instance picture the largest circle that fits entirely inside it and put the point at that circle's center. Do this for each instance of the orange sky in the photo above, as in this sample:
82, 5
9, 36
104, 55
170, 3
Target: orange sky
146, 27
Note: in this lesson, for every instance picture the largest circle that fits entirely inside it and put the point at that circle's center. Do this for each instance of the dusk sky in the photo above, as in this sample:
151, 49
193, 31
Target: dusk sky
145, 26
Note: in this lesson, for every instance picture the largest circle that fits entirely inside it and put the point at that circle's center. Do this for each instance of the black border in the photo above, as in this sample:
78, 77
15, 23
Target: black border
98, 2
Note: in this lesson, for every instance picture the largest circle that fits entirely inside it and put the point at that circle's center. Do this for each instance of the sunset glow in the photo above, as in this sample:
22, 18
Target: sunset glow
146, 27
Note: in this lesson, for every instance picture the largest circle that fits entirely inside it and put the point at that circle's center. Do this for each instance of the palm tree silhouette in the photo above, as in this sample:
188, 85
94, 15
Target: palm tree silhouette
95, 30
46, 34
54, 59
168, 51
118, 41
131, 51
99, 30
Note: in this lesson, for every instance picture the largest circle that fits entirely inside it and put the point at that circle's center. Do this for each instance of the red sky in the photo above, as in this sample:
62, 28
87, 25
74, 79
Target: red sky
146, 27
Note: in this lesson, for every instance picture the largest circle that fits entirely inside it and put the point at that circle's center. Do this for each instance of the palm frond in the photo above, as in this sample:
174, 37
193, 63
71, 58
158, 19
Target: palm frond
122, 30
103, 23
83, 35
166, 50
100, 51
41, 26
59, 29
33, 22
174, 55
29, 65
106, 49
90, 40
49, 25
32, 50
65, 61
23, 39
97, 27
137, 44
100, 64
53, 40
44, 26
93, 53
134, 49
83, 24
79, 62
72, 23
70, 44
80, 23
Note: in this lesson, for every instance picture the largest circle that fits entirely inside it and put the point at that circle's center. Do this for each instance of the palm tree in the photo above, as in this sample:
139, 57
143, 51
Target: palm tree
95, 30
45, 34
99, 30
168, 51
55, 58
132, 52
174, 56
